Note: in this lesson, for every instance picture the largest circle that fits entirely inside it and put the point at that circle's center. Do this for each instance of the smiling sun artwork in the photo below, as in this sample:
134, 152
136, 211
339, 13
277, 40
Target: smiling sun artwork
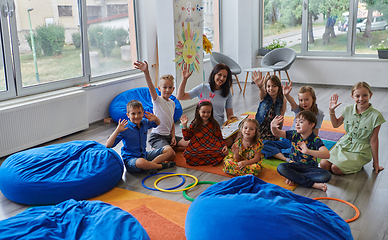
188, 48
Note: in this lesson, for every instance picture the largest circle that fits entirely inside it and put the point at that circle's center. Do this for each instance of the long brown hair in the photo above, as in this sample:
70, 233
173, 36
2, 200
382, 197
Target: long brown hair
257, 132
225, 88
197, 122
275, 80
314, 107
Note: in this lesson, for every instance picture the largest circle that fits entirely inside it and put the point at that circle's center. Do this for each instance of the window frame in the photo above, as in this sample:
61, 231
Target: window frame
11, 55
350, 46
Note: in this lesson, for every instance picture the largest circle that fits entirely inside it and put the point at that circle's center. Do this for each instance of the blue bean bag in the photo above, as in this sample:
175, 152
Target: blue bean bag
249, 208
52, 174
118, 106
73, 220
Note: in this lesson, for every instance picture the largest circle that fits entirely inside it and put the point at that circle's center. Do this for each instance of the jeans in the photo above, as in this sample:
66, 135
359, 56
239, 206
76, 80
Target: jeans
303, 174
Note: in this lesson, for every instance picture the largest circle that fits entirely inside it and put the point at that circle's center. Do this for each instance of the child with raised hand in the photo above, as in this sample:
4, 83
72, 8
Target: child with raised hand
164, 108
361, 142
272, 103
133, 133
206, 144
306, 148
307, 101
246, 157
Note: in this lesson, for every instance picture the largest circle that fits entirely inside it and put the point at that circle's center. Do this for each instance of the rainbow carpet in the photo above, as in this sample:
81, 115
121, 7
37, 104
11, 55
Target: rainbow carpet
327, 133
161, 218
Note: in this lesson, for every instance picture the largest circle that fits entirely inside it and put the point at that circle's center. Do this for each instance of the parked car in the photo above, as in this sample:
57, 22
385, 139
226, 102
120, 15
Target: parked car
378, 23
343, 26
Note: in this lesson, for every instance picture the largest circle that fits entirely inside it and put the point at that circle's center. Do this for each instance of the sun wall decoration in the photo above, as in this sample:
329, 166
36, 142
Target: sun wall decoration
188, 48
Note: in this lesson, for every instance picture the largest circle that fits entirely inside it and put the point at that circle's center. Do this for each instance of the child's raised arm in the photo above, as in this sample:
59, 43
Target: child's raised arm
121, 126
336, 122
322, 152
374, 142
275, 125
143, 66
181, 94
259, 80
286, 91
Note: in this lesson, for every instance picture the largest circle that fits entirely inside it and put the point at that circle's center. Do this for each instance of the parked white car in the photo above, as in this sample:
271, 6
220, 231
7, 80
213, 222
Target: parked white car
378, 23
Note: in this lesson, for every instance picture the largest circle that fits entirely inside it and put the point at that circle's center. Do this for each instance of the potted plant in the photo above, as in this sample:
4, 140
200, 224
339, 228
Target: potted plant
276, 43
382, 50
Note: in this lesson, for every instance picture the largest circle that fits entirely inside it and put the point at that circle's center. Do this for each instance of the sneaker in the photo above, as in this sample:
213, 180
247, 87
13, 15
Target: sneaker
168, 165
152, 171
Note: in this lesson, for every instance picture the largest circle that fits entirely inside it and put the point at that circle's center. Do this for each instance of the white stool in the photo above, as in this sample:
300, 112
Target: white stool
267, 70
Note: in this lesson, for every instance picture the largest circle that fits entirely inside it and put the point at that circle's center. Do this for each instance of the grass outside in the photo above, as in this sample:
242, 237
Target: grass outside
363, 45
67, 66
270, 30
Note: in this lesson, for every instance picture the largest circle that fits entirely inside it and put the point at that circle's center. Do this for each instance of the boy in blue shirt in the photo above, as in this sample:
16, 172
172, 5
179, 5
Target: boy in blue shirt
133, 133
306, 147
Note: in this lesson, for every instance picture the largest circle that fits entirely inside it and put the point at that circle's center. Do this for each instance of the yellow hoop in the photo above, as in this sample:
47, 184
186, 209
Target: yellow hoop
175, 190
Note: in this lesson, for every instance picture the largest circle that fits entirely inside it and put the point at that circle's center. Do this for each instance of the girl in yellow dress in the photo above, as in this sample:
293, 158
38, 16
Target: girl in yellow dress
246, 157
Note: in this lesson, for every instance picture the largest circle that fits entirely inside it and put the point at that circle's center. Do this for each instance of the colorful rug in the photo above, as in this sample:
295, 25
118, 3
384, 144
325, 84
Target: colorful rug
327, 133
269, 174
161, 218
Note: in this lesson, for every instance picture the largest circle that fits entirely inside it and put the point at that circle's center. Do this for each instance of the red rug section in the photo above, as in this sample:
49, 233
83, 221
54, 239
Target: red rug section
157, 226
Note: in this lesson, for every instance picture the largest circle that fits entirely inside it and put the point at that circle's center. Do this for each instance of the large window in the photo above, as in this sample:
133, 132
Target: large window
56, 46
328, 27
210, 10
282, 20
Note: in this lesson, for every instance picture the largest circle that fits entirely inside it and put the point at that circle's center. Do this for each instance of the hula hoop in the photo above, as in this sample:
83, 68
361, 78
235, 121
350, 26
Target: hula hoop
199, 183
154, 189
343, 201
176, 190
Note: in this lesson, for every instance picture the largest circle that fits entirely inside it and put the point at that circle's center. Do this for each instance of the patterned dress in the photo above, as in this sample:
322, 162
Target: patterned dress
205, 145
230, 164
265, 126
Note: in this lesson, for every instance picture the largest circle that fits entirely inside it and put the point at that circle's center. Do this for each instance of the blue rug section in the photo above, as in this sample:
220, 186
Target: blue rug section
249, 208
329, 144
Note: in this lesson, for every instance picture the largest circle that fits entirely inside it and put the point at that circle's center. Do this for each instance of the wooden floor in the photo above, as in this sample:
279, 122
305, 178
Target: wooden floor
367, 190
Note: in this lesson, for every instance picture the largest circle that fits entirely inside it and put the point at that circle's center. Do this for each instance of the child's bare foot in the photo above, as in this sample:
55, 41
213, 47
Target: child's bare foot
289, 182
320, 186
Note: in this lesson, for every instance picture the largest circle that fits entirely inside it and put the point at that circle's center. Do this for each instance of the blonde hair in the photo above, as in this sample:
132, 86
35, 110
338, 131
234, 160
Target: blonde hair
314, 107
361, 85
167, 77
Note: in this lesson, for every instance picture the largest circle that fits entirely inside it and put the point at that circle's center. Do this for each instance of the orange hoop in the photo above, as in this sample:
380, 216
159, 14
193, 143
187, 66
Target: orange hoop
343, 201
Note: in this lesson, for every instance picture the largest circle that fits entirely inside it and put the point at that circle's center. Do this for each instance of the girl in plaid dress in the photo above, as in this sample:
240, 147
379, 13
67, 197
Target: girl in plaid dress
206, 143
246, 157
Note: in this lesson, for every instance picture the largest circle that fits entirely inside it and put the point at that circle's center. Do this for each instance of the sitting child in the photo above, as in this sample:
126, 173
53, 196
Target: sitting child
164, 134
133, 133
306, 148
206, 143
246, 157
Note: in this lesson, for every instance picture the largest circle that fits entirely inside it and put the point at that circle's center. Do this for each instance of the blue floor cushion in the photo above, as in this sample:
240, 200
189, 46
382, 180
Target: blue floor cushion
118, 106
49, 175
73, 220
249, 208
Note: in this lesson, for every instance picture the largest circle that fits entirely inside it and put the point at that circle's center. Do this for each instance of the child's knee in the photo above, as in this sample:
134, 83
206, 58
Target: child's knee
325, 164
169, 152
336, 170
141, 163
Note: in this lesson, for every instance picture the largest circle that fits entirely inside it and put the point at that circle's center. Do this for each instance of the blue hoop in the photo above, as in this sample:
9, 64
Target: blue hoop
154, 189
